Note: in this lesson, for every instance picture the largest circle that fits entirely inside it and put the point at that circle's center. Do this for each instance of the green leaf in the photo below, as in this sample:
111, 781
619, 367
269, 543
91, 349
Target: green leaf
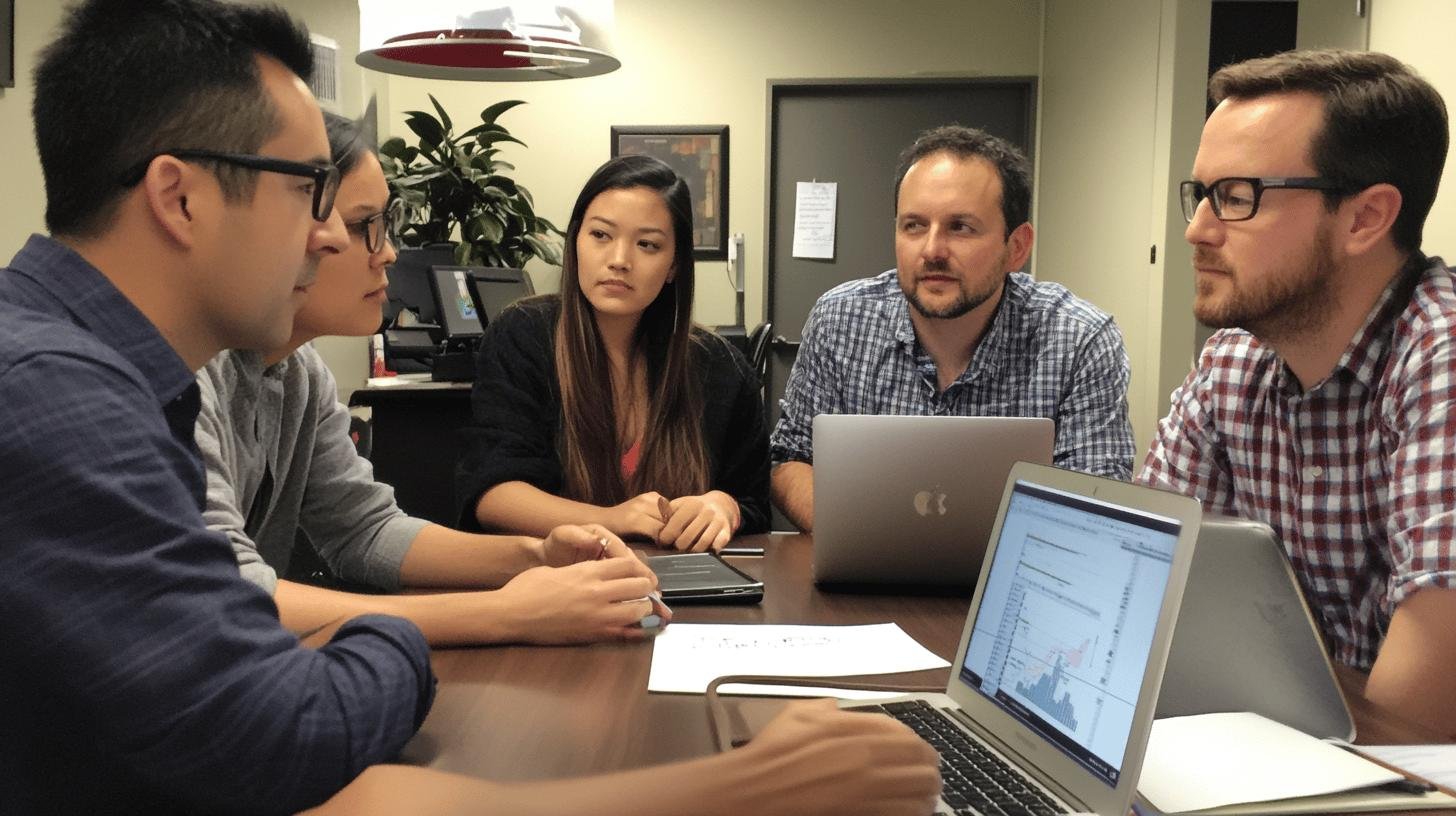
497, 166
425, 126
546, 252
444, 117
492, 137
490, 114
487, 227
488, 127
505, 183
394, 148
421, 178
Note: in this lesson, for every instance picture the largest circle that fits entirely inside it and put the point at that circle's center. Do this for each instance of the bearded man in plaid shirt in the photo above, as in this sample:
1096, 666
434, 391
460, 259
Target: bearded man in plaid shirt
1326, 406
953, 330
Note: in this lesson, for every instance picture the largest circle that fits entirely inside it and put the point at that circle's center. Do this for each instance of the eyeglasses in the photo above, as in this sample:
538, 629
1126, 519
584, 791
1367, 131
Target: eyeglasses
325, 176
379, 227
1237, 198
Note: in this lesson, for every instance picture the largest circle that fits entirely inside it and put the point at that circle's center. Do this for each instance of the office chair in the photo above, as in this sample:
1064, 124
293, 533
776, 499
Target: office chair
758, 343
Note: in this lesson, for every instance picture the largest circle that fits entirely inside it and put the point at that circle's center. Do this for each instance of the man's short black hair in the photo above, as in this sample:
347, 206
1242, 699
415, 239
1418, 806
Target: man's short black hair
967, 142
126, 79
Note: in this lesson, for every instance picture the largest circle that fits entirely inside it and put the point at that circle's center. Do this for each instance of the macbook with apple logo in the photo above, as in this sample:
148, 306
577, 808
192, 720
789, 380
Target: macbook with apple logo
911, 500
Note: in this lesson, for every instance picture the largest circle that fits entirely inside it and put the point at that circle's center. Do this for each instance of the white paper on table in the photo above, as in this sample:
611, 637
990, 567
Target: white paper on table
1209, 760
814, 216
686, 657
1434, 763
396, 380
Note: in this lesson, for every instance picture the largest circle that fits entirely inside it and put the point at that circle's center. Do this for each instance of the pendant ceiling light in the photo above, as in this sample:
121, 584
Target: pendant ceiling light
483, 40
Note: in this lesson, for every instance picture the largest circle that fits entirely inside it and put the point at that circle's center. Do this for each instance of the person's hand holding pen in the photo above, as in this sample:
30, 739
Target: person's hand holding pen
571, 544
661, 614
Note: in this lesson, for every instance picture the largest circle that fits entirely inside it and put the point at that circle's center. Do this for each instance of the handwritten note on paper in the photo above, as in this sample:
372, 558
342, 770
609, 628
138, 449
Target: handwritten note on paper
687, 656
814, 209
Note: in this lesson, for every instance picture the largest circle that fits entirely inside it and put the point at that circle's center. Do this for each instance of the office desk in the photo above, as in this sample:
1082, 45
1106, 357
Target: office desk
415, 443
519, 713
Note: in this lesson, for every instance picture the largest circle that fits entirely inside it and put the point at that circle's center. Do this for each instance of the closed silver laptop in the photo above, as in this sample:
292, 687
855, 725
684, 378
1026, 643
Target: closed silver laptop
911, 499
1246, 640
1057, 674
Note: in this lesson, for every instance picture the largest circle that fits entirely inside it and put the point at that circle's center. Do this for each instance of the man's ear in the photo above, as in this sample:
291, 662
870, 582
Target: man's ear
167, 187
1368, 217
1019, 242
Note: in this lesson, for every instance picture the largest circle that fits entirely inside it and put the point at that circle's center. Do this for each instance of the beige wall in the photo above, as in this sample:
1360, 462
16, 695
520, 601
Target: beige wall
700, 62
708, 62
22, 205
1119, 126
1408, 30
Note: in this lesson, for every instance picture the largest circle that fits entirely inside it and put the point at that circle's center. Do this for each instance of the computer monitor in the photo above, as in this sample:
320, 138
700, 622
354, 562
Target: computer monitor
494, 289
455, 304
409, 283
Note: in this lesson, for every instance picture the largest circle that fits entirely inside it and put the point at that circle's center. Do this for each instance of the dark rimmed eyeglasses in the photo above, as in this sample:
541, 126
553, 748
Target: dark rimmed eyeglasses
325, 176
379, 227
1237, 198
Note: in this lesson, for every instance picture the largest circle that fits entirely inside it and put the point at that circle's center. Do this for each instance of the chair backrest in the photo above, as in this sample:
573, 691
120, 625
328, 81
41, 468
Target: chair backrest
758, 342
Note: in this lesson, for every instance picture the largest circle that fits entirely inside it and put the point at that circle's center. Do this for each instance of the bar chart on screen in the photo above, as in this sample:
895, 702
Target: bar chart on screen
1070, 606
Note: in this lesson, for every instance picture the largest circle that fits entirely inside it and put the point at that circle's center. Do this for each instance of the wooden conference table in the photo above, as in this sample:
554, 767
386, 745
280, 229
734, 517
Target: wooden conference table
535, 712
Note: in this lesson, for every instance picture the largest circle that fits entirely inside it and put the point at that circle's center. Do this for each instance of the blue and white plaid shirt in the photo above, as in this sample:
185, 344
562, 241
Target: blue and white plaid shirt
1046, 353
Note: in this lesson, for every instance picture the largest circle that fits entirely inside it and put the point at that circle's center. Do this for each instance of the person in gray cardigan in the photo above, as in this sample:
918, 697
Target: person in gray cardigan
276, 444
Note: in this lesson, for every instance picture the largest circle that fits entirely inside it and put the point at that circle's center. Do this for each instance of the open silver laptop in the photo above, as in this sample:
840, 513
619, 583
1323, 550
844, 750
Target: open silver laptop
1246, 640
911, 499
1059, 665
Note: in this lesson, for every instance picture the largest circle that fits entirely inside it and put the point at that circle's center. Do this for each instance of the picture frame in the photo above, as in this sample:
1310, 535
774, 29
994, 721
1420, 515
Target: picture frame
699, 153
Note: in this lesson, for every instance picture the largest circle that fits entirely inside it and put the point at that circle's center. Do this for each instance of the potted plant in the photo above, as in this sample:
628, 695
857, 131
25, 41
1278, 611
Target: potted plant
454, 184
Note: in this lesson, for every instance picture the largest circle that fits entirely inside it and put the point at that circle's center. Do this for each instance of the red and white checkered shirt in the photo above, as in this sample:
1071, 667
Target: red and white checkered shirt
1357, 474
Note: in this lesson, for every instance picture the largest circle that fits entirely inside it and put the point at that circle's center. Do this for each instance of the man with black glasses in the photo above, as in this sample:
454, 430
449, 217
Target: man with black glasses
1326, 406
189, 199
189, 195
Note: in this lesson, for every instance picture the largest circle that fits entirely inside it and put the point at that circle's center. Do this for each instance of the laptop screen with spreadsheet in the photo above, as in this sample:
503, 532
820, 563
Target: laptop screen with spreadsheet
1062, 636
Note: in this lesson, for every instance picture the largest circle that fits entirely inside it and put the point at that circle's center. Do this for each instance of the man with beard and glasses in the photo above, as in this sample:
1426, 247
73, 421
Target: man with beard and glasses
953, 330
1324, 407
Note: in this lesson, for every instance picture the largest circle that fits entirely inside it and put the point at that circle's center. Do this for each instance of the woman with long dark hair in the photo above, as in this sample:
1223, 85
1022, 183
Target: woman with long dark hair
606, 404
275, 442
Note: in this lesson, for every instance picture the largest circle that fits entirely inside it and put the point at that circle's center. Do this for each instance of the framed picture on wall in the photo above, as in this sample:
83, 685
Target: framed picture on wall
7, 43
699, 153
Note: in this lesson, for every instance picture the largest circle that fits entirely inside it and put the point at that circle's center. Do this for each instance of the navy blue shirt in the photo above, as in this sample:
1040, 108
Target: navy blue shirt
139, 672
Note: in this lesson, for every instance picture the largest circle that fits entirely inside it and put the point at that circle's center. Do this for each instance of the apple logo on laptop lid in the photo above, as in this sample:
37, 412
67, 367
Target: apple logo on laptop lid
930, 501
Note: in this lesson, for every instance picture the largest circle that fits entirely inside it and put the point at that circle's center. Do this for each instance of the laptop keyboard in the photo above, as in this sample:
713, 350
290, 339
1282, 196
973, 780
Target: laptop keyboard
977, 782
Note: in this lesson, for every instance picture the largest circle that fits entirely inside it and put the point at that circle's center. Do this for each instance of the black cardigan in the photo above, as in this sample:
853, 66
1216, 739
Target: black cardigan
517, 415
